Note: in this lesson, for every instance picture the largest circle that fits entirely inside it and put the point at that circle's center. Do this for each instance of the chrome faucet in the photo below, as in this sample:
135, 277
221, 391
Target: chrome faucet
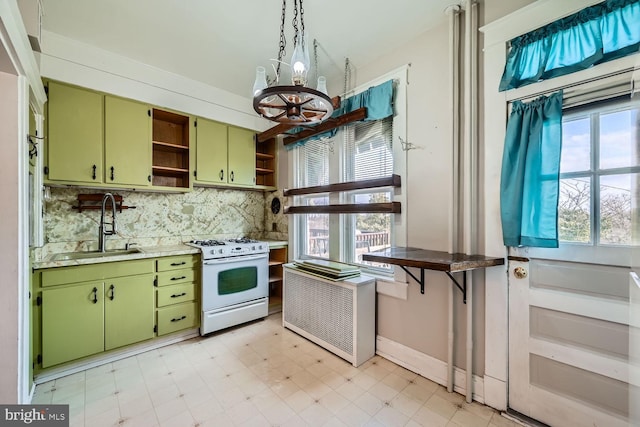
102, 232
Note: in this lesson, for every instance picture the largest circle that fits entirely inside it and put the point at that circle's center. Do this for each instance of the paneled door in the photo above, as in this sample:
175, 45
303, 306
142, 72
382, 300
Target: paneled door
569, 307
568, 342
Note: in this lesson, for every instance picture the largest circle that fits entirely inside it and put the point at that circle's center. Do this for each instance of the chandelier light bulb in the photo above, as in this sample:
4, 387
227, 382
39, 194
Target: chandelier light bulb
300, 62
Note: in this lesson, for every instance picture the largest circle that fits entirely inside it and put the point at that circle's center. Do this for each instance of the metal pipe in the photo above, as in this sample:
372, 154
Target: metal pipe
454, 84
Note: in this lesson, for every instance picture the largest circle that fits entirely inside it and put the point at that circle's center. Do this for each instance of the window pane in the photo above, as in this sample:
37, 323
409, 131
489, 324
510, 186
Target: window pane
372, 231
576, 140
317, 229
619, 140
616, 202
574, 217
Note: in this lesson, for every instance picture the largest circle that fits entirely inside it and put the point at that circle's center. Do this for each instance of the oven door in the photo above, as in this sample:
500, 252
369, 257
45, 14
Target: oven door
234, 280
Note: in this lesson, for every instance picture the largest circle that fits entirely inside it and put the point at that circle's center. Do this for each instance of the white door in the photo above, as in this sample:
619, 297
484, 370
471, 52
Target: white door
569, 307
568, 343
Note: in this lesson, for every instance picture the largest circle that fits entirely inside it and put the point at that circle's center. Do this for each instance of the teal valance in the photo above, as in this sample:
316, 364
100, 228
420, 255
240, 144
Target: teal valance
377, 99
597, 34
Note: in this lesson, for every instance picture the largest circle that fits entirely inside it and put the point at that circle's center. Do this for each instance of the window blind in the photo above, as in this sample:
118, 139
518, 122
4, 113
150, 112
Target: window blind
314, 159
368, 150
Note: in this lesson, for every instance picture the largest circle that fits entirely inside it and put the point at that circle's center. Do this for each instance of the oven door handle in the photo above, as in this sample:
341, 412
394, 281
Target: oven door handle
234, 259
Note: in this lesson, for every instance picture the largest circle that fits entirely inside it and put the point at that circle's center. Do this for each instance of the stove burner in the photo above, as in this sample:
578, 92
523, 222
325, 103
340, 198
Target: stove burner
209, 242
242, 240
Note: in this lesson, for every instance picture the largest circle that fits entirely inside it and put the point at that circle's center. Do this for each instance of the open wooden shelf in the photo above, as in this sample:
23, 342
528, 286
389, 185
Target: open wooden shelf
170, 149
169, 170
168, 146
266, 159
277, 258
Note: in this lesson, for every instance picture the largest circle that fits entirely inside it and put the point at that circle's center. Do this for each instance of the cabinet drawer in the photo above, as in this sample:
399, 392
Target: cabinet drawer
175, 277
84, 273
177, 317
176, 294
176, 262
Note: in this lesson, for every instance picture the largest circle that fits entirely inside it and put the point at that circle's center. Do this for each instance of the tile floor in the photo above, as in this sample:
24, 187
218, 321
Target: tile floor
259, 374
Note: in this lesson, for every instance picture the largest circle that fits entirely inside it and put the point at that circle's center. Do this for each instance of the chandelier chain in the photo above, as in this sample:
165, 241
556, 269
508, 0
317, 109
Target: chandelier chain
295, 22
315, 58
347, 75
283, 40
302, 21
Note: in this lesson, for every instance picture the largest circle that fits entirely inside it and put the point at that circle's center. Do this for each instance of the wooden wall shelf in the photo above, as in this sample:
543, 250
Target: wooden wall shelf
392, 207
391, 181
88, 202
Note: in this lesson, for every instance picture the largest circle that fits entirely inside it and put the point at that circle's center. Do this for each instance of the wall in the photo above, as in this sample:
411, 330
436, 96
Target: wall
420, 322
158, 218
9, 236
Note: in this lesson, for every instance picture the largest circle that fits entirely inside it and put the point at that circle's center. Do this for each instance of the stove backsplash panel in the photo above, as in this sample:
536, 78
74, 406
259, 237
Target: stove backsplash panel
158, 218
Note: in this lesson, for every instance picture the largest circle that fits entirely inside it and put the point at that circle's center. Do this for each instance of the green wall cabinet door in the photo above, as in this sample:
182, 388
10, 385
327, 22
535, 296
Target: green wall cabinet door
242, 156
211, 152
75, 134
129, 310
127, 142
72, 323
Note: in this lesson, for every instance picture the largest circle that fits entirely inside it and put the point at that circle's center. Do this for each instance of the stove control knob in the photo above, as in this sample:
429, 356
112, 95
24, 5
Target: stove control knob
253, 248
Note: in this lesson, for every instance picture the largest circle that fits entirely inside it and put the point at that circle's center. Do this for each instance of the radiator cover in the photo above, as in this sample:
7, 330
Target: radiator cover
339, 316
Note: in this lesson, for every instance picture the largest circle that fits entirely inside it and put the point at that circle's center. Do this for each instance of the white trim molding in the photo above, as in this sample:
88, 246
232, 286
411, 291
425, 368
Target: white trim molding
427, 366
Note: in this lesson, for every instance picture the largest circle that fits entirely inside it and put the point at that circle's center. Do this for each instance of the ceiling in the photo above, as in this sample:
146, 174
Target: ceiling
221, 42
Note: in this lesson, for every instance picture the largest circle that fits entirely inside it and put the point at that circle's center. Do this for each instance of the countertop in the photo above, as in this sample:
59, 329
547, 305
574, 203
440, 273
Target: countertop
145, 252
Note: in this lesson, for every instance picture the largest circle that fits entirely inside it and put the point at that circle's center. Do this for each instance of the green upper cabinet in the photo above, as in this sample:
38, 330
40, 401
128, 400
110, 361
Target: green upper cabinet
242, 156
129, 310
225, 155
75, 134
127, 142
211, 152
72, 323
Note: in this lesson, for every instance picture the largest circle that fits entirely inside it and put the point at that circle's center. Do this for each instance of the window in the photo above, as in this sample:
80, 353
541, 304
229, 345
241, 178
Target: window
357, 152
600, 173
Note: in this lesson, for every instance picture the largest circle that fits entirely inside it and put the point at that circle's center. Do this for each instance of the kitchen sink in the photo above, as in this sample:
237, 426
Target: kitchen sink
67, 256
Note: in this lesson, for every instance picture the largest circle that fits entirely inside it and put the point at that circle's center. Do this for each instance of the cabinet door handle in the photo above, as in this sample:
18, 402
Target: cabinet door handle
178, 295
112, 174
221, 174
177, 319
112, 290
178, 263
94, 172
179, 278
149, 178
95, 295
232, 176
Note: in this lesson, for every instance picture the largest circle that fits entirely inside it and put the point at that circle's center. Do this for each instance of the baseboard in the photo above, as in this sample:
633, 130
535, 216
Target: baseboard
427, 366
101, 359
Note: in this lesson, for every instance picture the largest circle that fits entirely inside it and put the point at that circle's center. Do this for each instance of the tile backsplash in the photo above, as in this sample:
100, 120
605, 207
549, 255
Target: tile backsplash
161, 218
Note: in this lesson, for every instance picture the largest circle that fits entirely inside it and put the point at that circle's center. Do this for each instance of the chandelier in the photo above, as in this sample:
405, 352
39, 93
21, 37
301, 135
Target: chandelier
295, 104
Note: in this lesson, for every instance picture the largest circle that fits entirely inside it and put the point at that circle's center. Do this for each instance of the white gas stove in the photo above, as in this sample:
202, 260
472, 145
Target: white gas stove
235, 282
227, 248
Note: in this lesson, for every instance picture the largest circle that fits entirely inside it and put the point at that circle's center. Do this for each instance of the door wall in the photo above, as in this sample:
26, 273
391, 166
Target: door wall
9, 236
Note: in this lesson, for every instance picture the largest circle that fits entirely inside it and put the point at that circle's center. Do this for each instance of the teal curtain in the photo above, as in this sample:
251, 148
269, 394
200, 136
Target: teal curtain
377, 99
529, 183
597, 34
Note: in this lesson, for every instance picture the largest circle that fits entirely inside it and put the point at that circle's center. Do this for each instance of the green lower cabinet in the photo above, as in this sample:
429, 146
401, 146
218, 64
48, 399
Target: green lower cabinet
72, 323
177, 317
129, 310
